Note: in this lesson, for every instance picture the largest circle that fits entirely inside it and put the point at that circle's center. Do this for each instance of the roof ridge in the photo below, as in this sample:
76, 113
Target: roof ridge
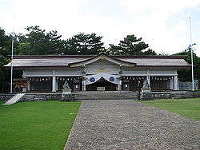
90, 56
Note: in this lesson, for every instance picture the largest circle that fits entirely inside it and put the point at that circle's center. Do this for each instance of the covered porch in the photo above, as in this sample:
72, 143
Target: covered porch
156, 83
53, 84
78, 83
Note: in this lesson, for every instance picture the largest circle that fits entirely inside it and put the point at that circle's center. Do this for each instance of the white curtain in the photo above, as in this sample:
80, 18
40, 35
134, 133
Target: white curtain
90, 79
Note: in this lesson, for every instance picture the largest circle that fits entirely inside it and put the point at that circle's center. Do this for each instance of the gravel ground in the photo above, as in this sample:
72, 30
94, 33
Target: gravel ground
129, 125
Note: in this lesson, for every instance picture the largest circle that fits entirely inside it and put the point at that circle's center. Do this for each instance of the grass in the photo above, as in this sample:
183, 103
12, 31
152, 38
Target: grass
186, 107
36, 125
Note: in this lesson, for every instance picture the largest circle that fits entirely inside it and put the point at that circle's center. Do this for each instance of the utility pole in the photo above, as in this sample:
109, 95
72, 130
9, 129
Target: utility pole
191, 51
11, 68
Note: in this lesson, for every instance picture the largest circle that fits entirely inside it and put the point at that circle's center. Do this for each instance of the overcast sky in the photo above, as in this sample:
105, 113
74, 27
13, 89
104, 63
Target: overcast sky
163, 24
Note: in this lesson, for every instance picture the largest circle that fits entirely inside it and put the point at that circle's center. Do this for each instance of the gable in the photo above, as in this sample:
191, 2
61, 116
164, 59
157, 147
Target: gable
102, 66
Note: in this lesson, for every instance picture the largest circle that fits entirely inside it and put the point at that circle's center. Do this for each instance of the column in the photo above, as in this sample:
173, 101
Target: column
56, 85
83, 85
119, 86
53, 84
28, 86
148, 79
171, 86
175, 82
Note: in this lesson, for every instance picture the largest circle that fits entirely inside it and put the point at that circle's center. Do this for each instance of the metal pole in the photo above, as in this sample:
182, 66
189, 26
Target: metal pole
191, 51
11, 68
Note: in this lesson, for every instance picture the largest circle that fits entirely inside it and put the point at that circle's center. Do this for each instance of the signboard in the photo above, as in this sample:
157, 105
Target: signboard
101, 88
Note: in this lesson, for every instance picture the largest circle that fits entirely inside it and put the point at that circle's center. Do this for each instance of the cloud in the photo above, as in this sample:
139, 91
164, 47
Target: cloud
157, 7
162, 24
156, 23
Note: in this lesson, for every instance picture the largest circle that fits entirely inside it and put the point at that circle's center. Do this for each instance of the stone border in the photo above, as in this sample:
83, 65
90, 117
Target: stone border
171, 95
39, 97
83, 96
5, 97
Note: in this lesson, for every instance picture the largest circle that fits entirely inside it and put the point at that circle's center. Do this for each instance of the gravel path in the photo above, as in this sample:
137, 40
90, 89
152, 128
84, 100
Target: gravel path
129, 125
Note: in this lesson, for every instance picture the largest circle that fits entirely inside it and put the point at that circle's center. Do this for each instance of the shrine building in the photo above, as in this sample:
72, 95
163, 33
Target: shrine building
102, 72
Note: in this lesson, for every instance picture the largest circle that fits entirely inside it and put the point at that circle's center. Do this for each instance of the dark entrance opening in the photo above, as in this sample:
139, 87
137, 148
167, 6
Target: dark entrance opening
41, 85
102, 84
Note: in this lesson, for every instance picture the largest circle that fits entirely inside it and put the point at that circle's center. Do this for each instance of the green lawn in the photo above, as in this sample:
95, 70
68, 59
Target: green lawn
187, 107
36, 125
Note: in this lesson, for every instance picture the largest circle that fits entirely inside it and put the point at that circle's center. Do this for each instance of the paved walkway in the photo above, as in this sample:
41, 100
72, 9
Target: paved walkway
129, 125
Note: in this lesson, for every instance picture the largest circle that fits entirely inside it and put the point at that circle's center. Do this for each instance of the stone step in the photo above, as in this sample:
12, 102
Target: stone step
100, 95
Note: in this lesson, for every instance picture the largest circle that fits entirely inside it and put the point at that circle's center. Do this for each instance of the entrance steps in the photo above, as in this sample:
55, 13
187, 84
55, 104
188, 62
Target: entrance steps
14, 99
106, 95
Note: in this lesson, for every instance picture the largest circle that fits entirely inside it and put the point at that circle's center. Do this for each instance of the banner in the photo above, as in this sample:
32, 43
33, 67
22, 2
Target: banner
90, 79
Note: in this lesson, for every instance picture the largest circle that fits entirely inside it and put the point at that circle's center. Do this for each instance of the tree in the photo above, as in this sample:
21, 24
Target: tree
84, 44
5, 46
130, 45
39, 42
185, 75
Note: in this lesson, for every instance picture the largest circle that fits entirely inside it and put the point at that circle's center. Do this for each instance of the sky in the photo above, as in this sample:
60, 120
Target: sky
164, 25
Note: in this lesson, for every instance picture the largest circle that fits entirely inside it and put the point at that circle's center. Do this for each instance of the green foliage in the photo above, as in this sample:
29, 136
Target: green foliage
39, 42
36, 125
185, 75
131, 45
5, 43
84, 44
186, 107
5, 46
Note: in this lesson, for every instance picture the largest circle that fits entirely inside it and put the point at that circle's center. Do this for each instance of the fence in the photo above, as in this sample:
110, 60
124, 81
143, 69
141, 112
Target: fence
188, 85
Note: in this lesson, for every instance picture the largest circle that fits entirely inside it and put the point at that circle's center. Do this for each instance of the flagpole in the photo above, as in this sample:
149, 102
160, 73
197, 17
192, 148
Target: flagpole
191, 51
11, 68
